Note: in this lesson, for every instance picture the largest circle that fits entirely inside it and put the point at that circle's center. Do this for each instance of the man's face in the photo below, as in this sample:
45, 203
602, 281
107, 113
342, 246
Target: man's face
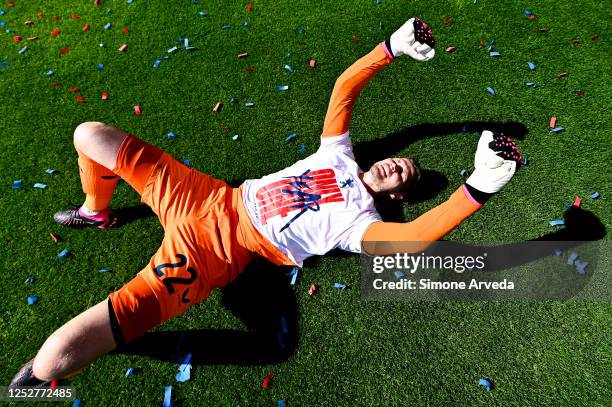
391, 176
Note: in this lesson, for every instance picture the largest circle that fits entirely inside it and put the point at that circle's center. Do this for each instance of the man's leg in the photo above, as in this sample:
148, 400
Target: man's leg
76, 344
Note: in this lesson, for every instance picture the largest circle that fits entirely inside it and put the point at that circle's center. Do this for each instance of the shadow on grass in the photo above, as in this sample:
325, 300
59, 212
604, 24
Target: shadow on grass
262, 299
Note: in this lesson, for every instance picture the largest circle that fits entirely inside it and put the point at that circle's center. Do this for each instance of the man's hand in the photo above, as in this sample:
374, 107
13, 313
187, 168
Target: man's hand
497, 157
414, 38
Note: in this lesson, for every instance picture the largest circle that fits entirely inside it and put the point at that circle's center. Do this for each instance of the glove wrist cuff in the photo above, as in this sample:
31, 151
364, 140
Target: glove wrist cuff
386, 45
477, 195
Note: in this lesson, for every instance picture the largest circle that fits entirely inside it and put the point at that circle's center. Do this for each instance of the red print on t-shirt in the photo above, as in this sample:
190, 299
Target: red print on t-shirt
304, 192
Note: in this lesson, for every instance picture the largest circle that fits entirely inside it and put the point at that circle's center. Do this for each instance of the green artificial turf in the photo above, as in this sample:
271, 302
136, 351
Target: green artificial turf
349, 352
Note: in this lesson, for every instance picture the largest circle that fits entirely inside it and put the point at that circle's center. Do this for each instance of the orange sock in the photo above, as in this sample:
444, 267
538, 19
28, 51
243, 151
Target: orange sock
98, 183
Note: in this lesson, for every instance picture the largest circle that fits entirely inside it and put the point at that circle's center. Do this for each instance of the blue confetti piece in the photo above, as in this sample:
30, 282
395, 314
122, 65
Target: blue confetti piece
100, 67
281, 403
22, 50
524, 162
302, 148
30, 280
2, 23
531, 65
49, 73
168, 396
528, 12
2, 12
130, 1
235, 137
464, 173
249, 104
291, 137
557, 129
51, 171
378, 1
557, 222
581, 266
187, 162
399, 274
294, 275
171, 135
282, 87
558, 252
165, 57
491, 91
63, 254
17, 184
105, 270
289, 68
233, 100
203, 13
156, 63
184, 373
300, 30
186, 42
185, 359
76, 403
226, 27
486, 383
595, 195
107, 26
572, 258
340, 286
494, 54
172, 50
33, 299
4, 63
245, 24
131, 372
40, 185
531, 85
288, 55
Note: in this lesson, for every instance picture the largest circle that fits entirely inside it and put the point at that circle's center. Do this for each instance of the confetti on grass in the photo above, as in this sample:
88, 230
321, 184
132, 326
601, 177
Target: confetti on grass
312, 63
267, 380
30, 280
293, 274
340, 286
557, 129
17, 184
249, 104
595, 195
577, 202
494, 54
54, 237
581, 266
399, 274
63, 254
553, 121
312, 289
291, 137
572, 258
168, 396
105, 270
137, 110
464, 173
32, 299
531, 65
289, 68
217, 107
488, 384
40, 185
491, 91
557, 222
184, 373
131, 372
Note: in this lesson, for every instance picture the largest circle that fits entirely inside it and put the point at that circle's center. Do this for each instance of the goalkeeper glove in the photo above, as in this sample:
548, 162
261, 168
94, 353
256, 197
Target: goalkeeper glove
415, 39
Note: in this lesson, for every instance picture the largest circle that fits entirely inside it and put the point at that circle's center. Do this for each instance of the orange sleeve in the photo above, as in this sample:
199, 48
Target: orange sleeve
384, 238
347, 89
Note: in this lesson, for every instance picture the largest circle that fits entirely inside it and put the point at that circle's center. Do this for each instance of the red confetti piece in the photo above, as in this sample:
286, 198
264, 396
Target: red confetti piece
55, 32
80, 99
39, 14
54, 237
250, 7
55, 85
249, 69
553, 121
577, 202
482, 43
17, 38
10, 4
104, 95
54, 384
137, 110
580, 93
74, 90
267, 379
126, 30
447, 21
64, 50
594, 37
532, 17
450, 49
243, 55
75, 17
85, 27
55, 18
97, 2
217, 107
312, 63
312, 289
354, 37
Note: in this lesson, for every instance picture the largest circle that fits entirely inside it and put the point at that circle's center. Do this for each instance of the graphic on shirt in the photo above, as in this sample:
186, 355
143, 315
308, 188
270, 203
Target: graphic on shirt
305, 192
348, 183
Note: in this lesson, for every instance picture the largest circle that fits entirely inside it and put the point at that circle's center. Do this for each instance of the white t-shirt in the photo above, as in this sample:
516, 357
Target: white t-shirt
316, 205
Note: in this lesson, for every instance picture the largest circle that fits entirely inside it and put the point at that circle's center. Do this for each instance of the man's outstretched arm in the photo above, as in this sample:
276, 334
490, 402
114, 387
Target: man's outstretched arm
497, 158
414, 38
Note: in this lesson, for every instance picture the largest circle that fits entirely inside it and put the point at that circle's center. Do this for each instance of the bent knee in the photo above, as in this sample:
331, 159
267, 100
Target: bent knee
86, 133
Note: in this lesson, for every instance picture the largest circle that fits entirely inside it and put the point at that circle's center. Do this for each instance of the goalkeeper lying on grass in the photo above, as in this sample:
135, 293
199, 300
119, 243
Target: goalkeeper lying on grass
212, 231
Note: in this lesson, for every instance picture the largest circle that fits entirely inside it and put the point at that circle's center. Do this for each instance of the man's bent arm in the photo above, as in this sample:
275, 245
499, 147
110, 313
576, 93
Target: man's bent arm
349, 85
385, 238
